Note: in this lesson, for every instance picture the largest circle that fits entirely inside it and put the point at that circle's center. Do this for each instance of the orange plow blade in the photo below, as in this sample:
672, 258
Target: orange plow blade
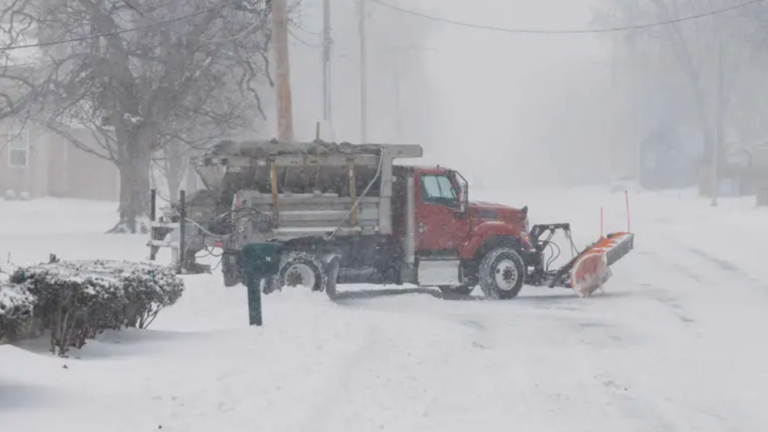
592, 267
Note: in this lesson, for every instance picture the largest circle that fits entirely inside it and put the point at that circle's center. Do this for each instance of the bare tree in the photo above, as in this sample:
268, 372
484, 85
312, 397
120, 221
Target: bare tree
695, 47
173, 159
139, 74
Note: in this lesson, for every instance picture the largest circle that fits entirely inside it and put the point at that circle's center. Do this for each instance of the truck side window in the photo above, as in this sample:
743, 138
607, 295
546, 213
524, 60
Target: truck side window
438, 189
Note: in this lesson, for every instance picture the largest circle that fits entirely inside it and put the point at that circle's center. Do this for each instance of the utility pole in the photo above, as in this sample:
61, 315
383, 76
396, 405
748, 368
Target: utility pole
718, 122
611, 151
327, 42
363, 75
398, 117
283, 70
191, 177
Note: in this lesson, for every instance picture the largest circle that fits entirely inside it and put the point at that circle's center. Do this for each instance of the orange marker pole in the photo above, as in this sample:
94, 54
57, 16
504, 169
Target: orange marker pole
626, 197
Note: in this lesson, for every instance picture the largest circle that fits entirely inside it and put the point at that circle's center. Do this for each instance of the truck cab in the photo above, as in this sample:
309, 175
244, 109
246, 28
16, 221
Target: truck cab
453, 235
448, 223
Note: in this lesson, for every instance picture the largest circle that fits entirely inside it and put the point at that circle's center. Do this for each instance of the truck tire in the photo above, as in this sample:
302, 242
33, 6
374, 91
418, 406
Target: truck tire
301, 268
502, 274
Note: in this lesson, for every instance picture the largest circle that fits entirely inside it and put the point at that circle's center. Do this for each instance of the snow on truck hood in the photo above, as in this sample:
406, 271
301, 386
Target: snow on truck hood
494, 210
486, 205
490, 205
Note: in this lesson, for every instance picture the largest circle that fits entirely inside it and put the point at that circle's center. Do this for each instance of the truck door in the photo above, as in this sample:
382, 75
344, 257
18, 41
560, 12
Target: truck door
438, 227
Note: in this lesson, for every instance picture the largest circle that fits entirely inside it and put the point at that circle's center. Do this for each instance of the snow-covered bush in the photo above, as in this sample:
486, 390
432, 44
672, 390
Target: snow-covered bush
77, 300
149, 289
15, 309
10, 195
25, 196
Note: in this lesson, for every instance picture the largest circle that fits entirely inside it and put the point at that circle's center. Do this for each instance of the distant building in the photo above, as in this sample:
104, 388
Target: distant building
668, 160
35, 160
743, 171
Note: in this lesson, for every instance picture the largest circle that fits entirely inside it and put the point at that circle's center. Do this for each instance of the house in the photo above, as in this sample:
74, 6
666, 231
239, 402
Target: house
36, 160
743, 172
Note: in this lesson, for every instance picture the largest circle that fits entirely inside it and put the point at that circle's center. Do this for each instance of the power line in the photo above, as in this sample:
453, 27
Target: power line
562, 32
119, 32
205, 40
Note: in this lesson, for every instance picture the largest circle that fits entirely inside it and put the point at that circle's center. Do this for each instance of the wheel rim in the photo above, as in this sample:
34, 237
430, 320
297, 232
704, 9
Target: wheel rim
506, 275
300, 275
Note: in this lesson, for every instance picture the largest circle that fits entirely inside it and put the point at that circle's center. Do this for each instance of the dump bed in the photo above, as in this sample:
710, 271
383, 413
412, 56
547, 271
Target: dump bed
317, 215
308, 189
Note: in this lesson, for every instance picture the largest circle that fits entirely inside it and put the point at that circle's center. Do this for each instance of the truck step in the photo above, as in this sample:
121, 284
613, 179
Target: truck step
163, 243
171, 225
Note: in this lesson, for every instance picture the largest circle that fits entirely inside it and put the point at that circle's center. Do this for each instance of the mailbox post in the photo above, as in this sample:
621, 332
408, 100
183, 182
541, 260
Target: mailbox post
258, 261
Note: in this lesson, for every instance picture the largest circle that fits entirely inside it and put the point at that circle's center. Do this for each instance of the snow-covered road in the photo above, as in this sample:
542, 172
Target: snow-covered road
675, 343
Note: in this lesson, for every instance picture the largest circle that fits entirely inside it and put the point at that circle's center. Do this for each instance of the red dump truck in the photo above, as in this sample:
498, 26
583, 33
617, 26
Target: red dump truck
351, 214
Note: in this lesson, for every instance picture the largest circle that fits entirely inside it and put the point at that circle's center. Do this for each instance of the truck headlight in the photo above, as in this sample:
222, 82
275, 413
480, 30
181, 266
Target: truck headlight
527, 239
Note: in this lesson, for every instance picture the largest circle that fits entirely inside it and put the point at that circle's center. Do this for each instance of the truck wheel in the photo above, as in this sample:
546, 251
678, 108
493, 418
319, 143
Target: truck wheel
456, 292
502, 274
299, 268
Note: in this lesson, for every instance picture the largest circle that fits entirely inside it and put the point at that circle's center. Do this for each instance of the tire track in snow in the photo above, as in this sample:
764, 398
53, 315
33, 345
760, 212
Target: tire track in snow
647, 411
339, 387
644, 409
711, 271
632, 398
663, 260
725, 266
694, 264
729, 301
662, 296
607, 380
479, 337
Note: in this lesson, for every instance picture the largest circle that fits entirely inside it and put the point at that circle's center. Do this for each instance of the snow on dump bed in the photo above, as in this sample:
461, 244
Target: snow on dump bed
261, 149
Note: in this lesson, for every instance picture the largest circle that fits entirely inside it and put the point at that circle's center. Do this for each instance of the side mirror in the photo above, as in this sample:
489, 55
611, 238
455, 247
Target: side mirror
461, 183
461, 212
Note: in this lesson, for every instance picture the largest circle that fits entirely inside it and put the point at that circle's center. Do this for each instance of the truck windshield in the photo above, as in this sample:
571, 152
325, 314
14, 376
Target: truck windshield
438, 189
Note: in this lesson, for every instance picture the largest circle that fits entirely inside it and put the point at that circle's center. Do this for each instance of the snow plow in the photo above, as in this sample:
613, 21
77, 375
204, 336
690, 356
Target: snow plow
347, 213
587, 270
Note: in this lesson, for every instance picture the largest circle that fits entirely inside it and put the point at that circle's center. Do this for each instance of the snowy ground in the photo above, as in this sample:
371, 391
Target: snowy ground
676, 343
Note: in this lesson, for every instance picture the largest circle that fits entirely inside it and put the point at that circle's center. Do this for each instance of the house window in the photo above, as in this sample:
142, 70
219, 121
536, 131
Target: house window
18, 147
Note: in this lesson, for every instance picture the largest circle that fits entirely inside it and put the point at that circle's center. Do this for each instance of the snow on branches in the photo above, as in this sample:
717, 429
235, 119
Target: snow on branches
77, 300
16, 305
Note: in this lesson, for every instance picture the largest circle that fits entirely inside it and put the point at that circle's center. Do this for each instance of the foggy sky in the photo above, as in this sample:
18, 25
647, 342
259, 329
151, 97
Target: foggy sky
502, 108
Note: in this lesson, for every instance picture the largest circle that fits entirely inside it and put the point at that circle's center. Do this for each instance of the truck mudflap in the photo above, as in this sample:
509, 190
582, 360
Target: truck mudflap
590, 269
